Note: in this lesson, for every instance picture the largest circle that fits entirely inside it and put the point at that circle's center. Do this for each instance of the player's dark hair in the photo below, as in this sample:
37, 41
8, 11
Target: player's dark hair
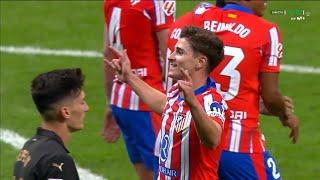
49, 88
220, 3
204, 42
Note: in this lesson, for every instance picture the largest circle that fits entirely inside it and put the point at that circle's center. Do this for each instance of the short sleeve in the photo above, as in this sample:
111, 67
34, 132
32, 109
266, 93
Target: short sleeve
272, 51
215, 108
162, 13
61, 167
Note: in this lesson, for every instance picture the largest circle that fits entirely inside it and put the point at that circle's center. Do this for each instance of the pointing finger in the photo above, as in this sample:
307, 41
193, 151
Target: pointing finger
115, 52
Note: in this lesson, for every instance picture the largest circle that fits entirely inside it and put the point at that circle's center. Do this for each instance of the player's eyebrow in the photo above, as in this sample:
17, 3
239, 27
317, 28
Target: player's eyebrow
179, 49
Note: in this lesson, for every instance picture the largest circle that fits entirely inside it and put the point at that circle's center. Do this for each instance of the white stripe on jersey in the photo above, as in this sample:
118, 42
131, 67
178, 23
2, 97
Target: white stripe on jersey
234, 145
273, 47
146, 14
112, 92
261, 143
171, 135
134, 101
251, 144
120, 95
163, 125
160, 16
185, 154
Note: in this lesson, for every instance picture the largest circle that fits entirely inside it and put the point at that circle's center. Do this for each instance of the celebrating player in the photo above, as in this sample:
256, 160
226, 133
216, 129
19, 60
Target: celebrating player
253, 49
193, 113
141, 27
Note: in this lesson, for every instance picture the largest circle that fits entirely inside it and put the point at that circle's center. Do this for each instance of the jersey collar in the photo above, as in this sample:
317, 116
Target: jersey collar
52, 135
237, 7
209, 84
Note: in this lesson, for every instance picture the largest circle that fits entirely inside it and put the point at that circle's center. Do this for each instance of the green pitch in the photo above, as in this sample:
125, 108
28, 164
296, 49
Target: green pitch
79, 25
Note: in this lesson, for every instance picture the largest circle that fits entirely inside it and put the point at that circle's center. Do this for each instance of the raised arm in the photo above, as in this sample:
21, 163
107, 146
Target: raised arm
208, 130
155, 99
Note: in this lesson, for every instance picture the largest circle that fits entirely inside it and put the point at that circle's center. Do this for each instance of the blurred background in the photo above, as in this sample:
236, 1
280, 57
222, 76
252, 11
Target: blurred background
70, 34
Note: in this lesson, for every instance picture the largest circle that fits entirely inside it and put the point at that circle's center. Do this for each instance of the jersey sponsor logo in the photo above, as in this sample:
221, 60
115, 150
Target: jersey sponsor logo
141, 72
216, 110
167, 171
238, 115
181, 122
24, 157
169, 7
164, 148
58, 166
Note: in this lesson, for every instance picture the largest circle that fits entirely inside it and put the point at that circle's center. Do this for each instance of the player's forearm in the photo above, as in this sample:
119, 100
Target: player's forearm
271, 96
208, 131
155, 99
275, 104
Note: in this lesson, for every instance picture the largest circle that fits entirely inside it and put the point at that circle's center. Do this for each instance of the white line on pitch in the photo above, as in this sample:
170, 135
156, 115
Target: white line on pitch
95, 54
17, 141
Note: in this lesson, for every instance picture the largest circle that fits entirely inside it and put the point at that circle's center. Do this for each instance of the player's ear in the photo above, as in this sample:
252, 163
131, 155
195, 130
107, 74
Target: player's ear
201, 62
64, 112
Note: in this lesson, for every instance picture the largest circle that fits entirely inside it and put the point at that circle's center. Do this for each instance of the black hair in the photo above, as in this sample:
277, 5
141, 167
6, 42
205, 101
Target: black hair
220, 3
51, 87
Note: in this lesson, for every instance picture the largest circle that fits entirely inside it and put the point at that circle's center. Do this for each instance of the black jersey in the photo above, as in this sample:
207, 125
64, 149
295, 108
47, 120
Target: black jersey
44, 157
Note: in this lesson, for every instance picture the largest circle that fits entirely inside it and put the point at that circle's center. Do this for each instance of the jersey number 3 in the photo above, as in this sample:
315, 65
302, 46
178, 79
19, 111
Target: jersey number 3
231, 71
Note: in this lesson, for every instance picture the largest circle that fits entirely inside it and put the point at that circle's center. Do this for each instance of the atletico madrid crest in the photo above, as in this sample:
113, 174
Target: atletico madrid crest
181, 122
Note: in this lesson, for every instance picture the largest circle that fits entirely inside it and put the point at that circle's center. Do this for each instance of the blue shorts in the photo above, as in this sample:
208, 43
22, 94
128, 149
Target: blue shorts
247, 166
138, 134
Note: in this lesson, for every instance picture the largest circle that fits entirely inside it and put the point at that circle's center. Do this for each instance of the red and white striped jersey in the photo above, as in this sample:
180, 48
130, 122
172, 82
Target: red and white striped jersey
132, 25
252, 45
182, 155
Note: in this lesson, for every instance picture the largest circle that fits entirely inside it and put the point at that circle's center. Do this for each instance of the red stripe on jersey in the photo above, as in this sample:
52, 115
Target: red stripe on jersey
258, 163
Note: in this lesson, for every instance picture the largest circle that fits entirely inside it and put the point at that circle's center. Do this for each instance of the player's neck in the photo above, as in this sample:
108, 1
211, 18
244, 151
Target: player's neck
199, 80
59, 128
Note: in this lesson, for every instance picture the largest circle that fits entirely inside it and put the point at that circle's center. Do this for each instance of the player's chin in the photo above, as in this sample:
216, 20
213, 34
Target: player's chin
75, 128
172, 74
175, 76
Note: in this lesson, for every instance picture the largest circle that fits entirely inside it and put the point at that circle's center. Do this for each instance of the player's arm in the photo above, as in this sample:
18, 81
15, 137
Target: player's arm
110, 130
155, 99
273, 100
287, 101
270, 94
208, 130
162, 43
108, 72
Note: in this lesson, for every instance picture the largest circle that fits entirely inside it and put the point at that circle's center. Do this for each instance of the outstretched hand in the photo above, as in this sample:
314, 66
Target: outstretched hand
291, 122
120, 64
110, 131
186, 86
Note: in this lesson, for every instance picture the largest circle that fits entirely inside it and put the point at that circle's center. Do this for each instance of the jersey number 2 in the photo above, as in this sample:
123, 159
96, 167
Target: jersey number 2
272, 164
231, 71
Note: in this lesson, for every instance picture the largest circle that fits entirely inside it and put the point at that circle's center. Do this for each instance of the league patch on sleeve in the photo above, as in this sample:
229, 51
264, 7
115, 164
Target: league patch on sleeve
216, 110
169, 7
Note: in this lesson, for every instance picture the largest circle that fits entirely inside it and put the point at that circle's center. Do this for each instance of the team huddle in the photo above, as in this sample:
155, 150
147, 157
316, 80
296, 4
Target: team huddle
185, 95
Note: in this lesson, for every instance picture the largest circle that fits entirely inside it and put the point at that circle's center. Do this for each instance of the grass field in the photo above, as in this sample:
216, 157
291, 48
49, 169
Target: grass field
79, 25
